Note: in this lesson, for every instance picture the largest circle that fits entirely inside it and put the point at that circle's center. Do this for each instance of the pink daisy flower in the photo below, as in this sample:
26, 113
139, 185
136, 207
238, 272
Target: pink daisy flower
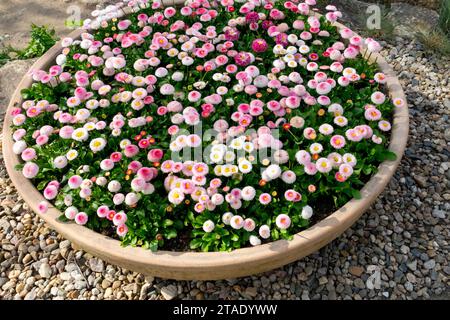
372, 114
81, 218
265, 198
324, 165
337, 141
384, 125
283, 221
43, 207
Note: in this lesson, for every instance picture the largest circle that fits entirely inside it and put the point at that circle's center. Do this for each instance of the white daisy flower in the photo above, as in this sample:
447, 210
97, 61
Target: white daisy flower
97, 144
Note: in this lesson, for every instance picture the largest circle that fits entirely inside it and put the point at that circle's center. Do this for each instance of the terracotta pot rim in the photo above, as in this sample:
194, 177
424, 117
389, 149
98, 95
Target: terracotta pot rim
212, 265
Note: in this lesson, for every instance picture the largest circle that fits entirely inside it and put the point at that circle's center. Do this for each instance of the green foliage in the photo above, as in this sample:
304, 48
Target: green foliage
4, 57
444, 17
437, 39
434, 40
42, 39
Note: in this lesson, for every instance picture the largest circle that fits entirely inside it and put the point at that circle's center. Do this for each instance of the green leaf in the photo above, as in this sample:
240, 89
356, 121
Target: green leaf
367, 170
205, 246
275, 234
356, 194
391, 156
41, 185
153, 246
63, 218
386, 155
195, 243
170, 234
167, 223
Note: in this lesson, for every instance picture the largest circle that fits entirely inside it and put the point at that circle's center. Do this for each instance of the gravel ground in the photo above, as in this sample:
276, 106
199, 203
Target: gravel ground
399, 249
17, 15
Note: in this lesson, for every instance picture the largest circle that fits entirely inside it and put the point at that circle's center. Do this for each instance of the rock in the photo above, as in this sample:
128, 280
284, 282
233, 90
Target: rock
421, 181
80, 284
356, 271
64, 244
108, 293
359, 283
447, 103
447, 270
265, 282
169, 292
439, 214
8, 285
374, 280
45, 271
430, 264
60, 265
143, 292
251, 291
3, 281
149, 279
116, 284
31, 295
65, 276
13, 274
200, 296
5, 226
412, 265
323, 280
106, 283
70, 267
277, 296
54, 291
305, 295
447, 134
411, 278
133, 287
96, 265
409, 286
73, 294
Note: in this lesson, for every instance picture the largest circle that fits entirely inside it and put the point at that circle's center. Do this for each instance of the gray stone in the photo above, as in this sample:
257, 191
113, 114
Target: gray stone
3, 281
438, 214
45, 271
412, 265
80, 284
430, 264
169, 292
31, 295
65, 276
96, 265
251, 291
143, 292
359, 283
133, 287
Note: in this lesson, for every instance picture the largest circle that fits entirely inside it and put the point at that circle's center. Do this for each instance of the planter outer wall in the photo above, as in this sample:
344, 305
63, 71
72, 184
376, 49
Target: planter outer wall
211, 265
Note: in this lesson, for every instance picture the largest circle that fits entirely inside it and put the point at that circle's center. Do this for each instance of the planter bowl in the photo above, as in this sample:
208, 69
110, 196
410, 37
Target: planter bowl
213, 265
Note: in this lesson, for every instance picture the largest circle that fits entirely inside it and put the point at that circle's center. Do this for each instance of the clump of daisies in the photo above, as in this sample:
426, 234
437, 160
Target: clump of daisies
292, 117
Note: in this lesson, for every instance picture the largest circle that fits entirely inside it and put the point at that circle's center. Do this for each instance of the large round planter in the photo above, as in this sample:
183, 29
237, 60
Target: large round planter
214, 265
